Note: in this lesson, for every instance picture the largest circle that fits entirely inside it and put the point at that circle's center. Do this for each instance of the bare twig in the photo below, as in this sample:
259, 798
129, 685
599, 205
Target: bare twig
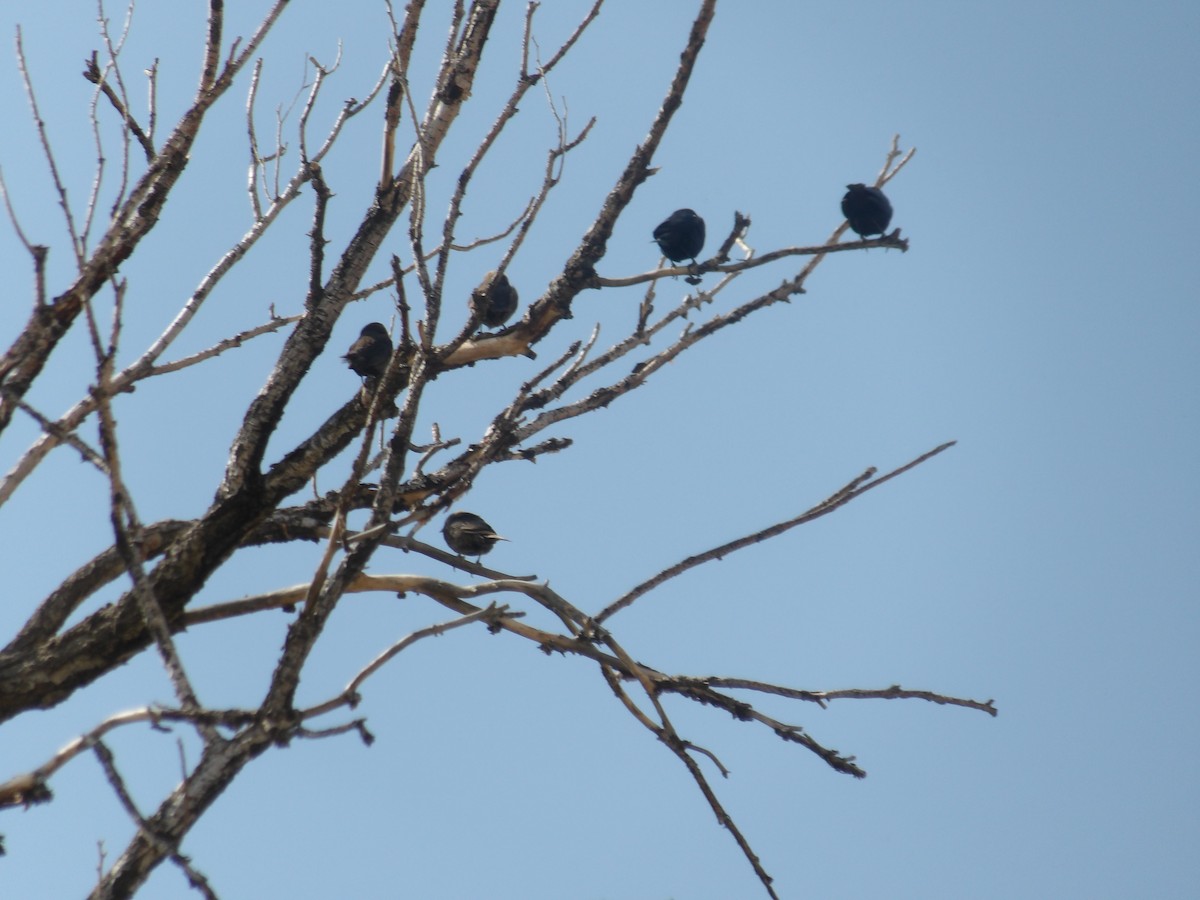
822, 698
893, 240
127, 528
491, 614
839, 498
47, 151
93, 74
169, 848
66, 437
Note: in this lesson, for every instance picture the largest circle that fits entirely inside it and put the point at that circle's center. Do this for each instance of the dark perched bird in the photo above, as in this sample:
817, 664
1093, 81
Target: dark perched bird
867, 209
369, 354
680, 236
468, 535
496, 298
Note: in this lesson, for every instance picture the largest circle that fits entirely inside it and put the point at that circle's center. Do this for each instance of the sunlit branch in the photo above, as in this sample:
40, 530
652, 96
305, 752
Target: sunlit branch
892, 240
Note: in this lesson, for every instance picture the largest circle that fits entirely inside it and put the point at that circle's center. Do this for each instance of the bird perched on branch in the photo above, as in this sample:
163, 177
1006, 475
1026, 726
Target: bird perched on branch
468, 535
496, 298
369, 354
680, 236
866, 209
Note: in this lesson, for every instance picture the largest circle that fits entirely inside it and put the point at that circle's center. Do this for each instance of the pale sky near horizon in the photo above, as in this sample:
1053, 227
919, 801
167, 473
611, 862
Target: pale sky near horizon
1046, 317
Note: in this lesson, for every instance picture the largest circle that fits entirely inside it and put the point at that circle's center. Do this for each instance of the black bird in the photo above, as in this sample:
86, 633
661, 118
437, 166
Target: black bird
497, 299
680, 236
369, 354
468, 535
867, 209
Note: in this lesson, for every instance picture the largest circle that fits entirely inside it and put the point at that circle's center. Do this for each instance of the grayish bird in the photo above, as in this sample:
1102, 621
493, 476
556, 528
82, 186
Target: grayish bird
468, 535
866, 209
496, 298
369, 354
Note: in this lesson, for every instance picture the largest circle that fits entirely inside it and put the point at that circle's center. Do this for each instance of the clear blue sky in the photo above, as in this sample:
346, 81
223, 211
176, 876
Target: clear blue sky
1046, 317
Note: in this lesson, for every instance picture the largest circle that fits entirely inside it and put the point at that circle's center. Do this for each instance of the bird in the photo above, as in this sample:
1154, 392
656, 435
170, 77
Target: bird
680, 236
496, 298
468, 535
866, 209
369, 354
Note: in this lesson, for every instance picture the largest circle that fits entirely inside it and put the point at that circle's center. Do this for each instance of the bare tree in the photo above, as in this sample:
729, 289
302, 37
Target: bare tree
402, 480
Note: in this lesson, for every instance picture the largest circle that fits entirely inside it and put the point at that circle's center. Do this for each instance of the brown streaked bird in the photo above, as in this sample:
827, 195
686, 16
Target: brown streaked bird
866, 209
369, 354
496, 299
468, 535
